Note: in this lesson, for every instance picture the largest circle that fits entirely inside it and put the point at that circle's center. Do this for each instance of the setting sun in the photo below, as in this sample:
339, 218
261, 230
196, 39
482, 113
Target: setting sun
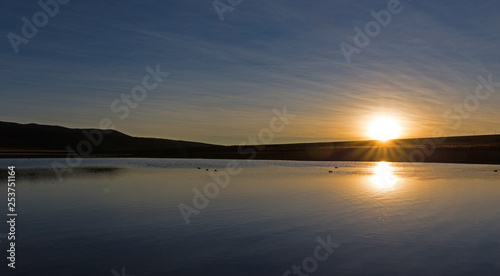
384, 129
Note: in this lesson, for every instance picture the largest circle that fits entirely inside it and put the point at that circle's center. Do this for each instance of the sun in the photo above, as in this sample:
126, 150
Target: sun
384, 128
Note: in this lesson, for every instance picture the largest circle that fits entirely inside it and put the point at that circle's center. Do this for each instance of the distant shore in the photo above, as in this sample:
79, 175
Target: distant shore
466, 149
43, 141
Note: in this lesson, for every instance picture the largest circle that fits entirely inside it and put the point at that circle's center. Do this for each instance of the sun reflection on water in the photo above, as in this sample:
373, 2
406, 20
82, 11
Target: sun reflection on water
383, 177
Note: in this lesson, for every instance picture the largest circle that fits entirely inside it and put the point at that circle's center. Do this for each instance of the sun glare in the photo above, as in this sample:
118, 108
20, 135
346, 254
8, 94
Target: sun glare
383, 177
384, 129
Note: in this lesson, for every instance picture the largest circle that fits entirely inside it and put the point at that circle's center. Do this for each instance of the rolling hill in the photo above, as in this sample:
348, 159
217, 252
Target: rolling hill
42, 138
33, 140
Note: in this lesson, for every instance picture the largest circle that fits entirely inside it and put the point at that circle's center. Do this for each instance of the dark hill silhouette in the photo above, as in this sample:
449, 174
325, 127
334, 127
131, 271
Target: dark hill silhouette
34, 137
484, 149
32, 140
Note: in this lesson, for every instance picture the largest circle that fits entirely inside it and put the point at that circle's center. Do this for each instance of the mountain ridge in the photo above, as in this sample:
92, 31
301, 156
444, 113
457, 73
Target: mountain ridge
35, 141
49, 137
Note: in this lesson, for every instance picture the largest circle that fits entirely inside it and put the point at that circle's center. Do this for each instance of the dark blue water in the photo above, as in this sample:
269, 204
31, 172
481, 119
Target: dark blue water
121, 217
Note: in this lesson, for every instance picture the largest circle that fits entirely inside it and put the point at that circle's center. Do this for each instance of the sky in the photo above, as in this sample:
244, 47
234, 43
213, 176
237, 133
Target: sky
229, 68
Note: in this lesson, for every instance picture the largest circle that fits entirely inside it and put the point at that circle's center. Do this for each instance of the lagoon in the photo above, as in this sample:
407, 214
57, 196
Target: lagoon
115, 216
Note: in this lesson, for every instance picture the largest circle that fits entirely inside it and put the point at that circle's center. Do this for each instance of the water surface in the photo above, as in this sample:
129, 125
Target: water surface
387, 218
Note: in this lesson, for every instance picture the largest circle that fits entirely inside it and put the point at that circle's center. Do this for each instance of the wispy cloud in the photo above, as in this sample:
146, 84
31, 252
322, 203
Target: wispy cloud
227, 76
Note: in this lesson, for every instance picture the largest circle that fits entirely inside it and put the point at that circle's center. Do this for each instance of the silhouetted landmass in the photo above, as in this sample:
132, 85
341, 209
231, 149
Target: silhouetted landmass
33, 140
43, 138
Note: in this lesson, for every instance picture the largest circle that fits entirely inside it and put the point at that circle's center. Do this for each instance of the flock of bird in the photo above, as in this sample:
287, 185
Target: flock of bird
199, 168
332, 171
205, 169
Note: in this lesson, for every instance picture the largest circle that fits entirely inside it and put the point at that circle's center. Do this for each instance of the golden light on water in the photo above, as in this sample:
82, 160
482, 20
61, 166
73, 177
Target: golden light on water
383, 177
384, 128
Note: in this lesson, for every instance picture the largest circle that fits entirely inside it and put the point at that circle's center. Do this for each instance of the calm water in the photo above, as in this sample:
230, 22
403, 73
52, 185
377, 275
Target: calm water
384, 218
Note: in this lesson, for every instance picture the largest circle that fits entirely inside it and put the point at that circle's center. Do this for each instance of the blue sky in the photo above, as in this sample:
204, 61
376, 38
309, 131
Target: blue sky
227, 76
